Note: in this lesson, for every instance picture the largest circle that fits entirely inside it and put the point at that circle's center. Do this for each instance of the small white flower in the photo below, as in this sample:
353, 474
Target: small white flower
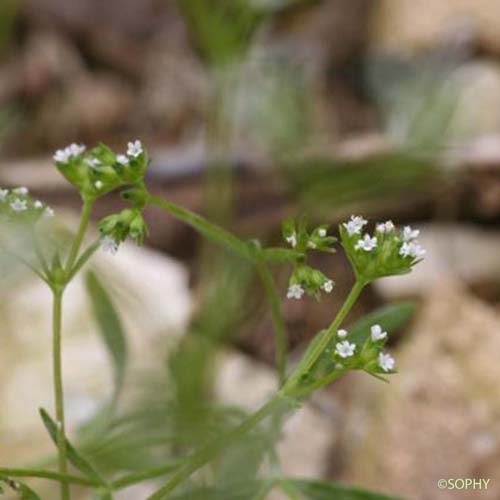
311, 244
377, 333
355, 225
73, 150
327, 286
134, 148
418, 251
76, 149
62, 156
3, 194
21, 190
18, 205
292, 240
122, 159
98, 184
341, 334
410, 234
295, 291
386, 361
108, 244
385, 227
366, 243
412, 249
322, 232
48, 212
38, 204
345, 349
92, 162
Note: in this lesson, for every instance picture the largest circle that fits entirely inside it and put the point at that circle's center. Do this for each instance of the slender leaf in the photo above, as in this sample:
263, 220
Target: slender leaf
320, 490
81, 463
110, 327
46, 474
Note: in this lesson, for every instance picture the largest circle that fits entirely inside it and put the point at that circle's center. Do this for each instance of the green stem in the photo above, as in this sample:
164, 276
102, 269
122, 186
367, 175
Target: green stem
207, 452
325, 339
48, 474
58, 390
77, 242
281, 341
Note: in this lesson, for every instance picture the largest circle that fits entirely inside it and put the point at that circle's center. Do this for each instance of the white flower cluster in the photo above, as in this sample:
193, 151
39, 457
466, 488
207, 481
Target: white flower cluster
72, 151
345, 349
296, 291
18, 201
410, 246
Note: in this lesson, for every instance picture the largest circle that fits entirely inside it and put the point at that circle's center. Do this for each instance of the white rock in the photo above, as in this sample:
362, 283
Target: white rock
152, 295
307, 434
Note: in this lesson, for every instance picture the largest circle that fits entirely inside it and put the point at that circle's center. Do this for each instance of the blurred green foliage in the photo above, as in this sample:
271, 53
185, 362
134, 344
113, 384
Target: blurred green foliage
222, 30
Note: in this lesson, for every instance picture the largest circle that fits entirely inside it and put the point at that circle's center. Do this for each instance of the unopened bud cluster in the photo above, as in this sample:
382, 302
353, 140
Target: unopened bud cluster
116, 228
304, 278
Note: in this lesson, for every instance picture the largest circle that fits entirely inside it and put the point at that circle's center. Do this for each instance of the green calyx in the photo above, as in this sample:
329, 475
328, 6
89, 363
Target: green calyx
128, 223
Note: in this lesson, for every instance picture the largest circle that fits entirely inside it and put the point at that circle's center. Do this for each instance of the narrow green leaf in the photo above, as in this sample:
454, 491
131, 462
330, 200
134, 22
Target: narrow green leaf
390, 318
81, 463
110, 327
46, 474
321, 490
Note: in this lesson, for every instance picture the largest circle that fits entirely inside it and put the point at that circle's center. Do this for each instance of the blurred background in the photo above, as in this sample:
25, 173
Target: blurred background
255, 110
